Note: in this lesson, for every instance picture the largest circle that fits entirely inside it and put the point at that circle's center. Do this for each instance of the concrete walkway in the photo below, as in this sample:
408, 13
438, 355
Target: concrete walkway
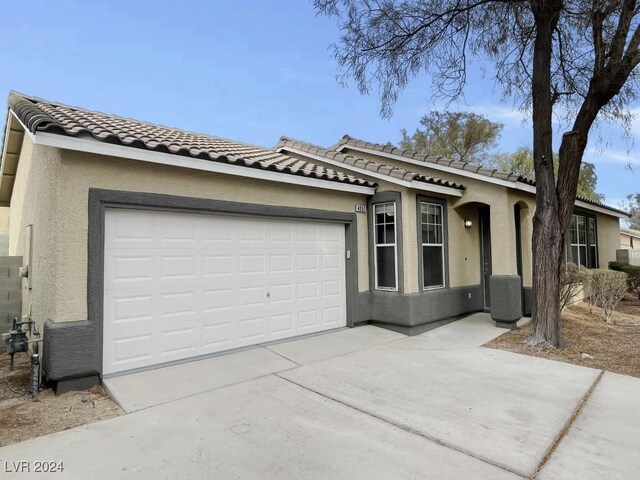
359, 403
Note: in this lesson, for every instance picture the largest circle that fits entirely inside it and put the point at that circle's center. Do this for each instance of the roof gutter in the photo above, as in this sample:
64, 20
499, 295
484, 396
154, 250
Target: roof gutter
88, 145
483, 178
424, 186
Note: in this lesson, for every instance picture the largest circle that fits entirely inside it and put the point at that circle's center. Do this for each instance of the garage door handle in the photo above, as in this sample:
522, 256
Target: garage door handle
268, 294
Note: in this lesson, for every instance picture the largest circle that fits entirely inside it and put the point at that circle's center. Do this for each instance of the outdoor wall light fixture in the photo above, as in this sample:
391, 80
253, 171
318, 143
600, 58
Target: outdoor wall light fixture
468, 224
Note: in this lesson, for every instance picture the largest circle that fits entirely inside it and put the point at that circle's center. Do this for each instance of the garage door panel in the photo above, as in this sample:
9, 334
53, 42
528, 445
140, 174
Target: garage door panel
252, 328
307, 262
308, 319
281, 263
332, 316
177, 342
282, 294
130, 269
129, 232
129, 351
178, 305
126, 310
218, 283
308, 291
307, 232
329, 235
251, 264
217, 301
178, 230
281, 233
217, 265
331, 288
218, 337
179, 267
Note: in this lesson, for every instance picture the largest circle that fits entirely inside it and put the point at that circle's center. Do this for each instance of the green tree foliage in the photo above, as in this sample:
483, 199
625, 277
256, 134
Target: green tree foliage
632, 205
520, 162
461, 136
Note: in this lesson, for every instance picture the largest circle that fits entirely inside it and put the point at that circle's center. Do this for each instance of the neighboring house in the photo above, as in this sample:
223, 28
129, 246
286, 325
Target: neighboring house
629, 239
148, 245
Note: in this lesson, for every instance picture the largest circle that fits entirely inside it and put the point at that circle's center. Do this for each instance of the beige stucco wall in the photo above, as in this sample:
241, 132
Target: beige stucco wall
503, 246
608, 239
79, 172
4, 230
34, 202
464, 272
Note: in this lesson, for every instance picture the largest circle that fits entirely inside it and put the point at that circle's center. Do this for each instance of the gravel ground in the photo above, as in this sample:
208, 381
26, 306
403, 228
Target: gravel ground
23, 417
615, 347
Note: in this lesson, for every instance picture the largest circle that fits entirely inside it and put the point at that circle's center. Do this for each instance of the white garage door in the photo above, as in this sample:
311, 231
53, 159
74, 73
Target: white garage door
181, 285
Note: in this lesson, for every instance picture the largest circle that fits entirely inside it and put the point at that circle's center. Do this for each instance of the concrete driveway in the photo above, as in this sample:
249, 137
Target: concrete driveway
360, 403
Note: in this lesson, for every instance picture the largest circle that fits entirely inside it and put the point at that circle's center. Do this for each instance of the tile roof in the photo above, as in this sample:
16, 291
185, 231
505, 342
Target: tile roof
391, 171
512, 177
43, 116
410, 154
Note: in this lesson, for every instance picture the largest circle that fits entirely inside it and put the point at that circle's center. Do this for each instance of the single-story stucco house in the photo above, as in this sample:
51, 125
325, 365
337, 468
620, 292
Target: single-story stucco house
147, 245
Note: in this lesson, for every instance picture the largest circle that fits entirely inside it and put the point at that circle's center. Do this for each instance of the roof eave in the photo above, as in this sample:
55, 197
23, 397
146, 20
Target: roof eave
90, 145
414, 184
517, 185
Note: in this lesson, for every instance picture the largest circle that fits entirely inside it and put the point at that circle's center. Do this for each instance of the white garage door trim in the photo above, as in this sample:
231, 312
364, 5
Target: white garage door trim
183, 285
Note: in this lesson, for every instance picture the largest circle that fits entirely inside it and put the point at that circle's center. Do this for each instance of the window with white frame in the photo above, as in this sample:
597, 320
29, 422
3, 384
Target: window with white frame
385, 254
592, 240
582, 245
432, 222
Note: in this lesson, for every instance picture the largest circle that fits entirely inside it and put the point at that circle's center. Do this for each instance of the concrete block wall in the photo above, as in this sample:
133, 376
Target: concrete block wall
10, 291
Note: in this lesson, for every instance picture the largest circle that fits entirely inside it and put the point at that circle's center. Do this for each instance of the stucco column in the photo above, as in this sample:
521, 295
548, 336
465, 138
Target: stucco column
503, 239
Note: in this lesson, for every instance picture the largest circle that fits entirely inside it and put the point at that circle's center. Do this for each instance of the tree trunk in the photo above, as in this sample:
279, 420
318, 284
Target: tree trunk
548, 234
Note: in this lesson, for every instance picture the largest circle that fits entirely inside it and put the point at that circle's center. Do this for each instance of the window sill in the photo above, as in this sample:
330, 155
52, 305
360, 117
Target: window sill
430, 289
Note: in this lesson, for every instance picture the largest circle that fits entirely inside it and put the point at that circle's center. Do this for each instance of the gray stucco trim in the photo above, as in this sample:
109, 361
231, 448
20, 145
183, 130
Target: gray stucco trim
384, 197
527, 303
445, 234
415, 309
71, 350
506, 299
419, 329
84, 358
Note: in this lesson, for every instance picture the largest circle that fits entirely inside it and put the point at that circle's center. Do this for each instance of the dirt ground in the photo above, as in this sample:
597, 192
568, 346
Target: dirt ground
630, 305
23, 417
615, 347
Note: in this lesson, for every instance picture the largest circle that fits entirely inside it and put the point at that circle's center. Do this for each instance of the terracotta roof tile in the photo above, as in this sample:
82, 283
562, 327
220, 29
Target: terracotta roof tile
370, 165
44, 116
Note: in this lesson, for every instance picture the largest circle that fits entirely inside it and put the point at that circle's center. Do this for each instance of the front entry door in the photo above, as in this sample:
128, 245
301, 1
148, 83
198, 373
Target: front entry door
485, 255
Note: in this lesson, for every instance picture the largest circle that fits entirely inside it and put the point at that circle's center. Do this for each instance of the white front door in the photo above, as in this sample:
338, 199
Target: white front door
180, 285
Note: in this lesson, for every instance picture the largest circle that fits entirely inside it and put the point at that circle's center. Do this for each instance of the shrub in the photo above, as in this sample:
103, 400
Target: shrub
571, 278
633, 275
606, 289
633, 279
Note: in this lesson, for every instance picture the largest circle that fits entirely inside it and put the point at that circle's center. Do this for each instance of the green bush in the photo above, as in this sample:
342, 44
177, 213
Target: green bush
633, 275
617, 266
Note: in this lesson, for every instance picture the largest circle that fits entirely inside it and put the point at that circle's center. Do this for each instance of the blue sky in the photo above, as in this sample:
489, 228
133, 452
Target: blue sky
246, 70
